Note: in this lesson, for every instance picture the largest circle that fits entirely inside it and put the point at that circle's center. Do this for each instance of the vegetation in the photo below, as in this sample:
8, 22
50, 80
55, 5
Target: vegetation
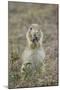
20, 16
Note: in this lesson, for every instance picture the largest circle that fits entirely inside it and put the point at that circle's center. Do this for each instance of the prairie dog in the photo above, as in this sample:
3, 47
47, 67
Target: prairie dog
34, 53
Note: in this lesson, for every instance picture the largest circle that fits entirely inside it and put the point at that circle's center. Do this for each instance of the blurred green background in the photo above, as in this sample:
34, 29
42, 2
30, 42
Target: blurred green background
20, 16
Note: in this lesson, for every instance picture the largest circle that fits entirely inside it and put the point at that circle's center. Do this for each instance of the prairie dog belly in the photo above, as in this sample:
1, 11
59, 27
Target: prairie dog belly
35, 57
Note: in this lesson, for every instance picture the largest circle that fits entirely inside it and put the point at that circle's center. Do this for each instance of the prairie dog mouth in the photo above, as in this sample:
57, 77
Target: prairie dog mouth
35, 39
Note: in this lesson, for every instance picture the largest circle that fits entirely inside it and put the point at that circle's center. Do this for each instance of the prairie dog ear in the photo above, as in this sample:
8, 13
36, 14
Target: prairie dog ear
28, 36
41, 38
28, 32
41, 34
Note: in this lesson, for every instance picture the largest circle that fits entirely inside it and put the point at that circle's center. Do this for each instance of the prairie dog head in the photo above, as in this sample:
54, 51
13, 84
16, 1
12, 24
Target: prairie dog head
34, 36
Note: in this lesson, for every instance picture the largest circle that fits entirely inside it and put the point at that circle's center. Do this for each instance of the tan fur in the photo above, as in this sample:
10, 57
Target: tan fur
34, 52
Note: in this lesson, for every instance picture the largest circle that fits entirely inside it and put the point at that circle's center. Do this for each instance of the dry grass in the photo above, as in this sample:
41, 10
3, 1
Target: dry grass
20, 16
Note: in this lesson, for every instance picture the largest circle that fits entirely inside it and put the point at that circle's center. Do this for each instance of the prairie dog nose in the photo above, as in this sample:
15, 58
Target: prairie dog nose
35, 36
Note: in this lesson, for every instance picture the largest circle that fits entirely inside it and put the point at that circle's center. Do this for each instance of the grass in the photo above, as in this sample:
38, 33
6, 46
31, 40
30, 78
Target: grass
20, 16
